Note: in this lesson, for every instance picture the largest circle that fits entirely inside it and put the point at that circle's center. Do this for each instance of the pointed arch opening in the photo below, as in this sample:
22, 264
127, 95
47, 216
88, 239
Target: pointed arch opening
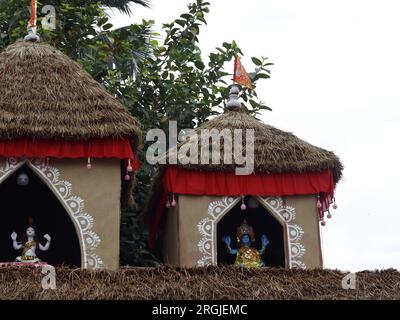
263, 221
38, 201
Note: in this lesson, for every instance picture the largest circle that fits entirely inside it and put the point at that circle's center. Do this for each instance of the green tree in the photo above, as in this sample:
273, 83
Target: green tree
157, 77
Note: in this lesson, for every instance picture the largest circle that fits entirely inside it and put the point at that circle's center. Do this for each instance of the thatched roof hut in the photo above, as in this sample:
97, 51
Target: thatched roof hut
53, 115
45, 94
284, 166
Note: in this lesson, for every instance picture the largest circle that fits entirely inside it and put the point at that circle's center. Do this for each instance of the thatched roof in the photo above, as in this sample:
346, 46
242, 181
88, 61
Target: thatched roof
275, 150
45, 94
216, 283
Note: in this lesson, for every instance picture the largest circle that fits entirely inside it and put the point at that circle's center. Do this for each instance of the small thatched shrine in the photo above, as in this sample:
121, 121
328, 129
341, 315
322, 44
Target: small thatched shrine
197, 207
65, 144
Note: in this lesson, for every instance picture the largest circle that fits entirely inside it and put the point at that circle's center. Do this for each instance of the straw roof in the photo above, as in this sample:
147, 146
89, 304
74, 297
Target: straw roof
275, 151
45, 94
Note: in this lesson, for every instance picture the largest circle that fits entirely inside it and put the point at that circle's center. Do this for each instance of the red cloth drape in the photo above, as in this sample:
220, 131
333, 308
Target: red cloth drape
119, 148
219, 183
182, 181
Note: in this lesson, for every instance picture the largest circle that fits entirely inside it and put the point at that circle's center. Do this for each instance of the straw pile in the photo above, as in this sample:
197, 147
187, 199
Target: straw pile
45, 94
204, 283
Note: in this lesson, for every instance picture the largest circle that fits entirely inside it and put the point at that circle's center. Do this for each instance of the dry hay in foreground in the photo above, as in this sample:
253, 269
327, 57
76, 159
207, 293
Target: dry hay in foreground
199, 283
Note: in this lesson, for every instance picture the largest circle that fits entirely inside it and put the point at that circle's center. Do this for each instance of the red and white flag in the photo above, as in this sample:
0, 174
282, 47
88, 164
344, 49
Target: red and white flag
240, 75
32, 21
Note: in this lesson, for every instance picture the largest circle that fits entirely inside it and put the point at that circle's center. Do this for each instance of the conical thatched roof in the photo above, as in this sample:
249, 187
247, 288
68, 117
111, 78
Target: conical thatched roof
45, 94
275, 151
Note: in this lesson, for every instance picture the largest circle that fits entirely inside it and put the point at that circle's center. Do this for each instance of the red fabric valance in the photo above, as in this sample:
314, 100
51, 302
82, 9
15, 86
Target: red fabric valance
182, 181
219, 183
119, 148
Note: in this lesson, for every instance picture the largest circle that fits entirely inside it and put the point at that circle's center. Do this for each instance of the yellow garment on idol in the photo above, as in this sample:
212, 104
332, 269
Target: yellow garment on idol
248, 257
28, 246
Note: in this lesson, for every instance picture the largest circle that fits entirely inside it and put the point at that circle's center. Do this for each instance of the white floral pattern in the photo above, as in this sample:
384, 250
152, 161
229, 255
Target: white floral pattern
217, 209
75, 205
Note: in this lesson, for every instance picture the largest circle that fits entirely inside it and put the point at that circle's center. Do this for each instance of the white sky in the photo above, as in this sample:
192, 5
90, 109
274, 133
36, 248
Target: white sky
335, 84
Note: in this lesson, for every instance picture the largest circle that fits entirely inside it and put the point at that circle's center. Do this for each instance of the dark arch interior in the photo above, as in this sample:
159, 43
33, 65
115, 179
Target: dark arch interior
36, 200
263, 223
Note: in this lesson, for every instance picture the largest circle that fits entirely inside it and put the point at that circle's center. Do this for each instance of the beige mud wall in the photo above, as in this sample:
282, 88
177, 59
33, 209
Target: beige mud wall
181, 236
100, 188
191, 210
307, 219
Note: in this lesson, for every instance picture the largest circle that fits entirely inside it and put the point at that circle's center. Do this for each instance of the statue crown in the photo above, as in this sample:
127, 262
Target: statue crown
243, 229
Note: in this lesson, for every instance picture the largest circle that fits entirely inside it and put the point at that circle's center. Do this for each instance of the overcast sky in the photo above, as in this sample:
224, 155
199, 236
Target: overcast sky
335, 84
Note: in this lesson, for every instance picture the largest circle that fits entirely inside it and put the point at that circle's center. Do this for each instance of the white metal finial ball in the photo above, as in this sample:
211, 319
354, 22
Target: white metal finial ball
22, 179
31, 37
233, 101
234, 90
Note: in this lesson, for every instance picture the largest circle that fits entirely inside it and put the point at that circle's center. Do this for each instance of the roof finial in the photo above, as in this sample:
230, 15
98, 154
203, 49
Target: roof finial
233, 102
32, 36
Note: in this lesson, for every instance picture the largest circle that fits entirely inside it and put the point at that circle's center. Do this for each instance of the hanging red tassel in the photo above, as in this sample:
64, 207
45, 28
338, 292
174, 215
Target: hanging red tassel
319, 205
89, 165
127, 176
173, 203
168, 204
129, 167
243, 206
334, 204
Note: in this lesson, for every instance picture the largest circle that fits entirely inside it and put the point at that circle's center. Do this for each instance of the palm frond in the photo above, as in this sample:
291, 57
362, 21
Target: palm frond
124, 5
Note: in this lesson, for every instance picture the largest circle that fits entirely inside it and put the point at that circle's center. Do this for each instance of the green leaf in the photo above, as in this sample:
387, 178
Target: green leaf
199, 65
182, 23
262, 76
254, 104
186, 16
107, 26
256, 61
227, 45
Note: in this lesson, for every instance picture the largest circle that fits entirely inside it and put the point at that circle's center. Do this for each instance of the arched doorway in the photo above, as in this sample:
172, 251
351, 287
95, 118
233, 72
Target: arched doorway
263, 222
37, 201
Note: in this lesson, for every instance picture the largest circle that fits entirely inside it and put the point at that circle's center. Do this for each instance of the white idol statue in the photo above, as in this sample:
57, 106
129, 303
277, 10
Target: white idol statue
29, 246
